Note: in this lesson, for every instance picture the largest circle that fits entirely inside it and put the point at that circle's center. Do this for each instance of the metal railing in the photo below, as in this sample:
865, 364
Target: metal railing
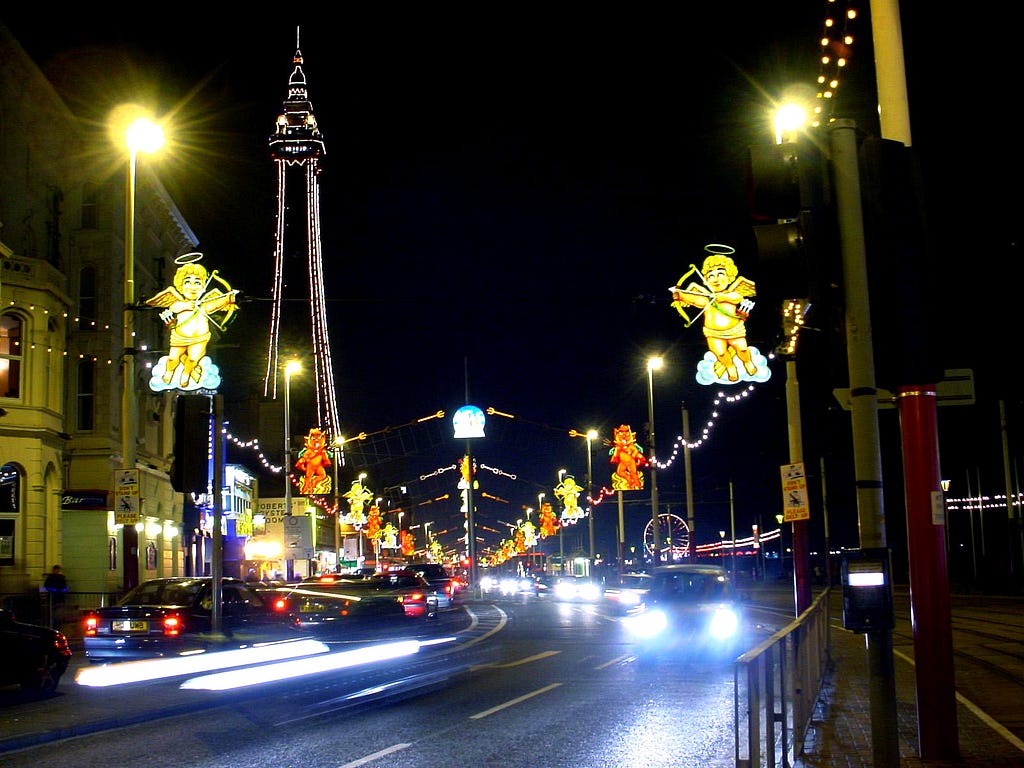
776, 685
39, 608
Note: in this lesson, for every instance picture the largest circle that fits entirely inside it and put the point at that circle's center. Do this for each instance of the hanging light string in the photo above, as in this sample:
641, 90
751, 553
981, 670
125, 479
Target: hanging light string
835, 46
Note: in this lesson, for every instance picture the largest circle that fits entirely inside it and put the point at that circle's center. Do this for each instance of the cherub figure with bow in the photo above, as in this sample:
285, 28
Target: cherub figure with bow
190, 308
723, 296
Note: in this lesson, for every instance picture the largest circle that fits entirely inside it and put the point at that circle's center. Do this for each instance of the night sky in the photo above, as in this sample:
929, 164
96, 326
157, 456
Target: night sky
508, 194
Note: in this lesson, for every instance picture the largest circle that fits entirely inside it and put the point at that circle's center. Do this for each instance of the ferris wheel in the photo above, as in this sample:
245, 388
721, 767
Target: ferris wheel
673, 537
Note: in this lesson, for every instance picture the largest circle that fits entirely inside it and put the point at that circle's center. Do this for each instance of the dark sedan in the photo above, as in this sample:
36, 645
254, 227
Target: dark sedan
330, 606
168, 617
31, 656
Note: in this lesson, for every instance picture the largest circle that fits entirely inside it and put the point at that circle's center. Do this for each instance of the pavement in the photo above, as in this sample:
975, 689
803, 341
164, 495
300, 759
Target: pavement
840, 734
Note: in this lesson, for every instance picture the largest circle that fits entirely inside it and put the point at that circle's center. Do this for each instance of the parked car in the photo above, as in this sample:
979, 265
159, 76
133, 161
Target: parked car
418, 598
170, 616
32, 656
689, 610
331, 605
445, 586
627, 592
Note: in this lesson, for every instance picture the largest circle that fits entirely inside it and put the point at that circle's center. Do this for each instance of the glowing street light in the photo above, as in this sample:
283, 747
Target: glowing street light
140, 134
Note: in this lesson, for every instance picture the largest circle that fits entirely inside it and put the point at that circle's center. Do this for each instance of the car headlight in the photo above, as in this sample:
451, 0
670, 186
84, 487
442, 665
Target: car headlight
629, 598
589, 592
725, 623
647, 624
509, 586
565, 591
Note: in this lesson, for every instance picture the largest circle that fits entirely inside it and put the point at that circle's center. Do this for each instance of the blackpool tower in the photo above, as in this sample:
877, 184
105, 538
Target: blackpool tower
296, 147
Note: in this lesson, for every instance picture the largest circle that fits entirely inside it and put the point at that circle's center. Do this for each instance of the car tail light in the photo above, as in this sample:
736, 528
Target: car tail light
173, 625
92, 623
279, 605
417, 596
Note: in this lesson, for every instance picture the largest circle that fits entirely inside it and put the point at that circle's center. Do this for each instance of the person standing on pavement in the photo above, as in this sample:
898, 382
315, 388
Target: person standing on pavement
56, 585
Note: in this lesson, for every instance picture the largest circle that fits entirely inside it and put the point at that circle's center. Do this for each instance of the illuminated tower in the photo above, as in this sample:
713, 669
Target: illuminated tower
298, 145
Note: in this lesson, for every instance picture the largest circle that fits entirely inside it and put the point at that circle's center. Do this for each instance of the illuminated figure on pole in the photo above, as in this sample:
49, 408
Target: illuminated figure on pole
628, 458
724, 298
568, 491
313, 461
191, 309
358, 495
297, 145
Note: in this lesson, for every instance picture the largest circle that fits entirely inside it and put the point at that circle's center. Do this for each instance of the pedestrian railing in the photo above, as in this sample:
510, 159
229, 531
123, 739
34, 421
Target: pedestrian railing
40, 608
776, 685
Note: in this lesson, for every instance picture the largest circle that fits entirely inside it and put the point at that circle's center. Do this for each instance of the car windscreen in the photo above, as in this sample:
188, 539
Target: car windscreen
162, 593
691, 587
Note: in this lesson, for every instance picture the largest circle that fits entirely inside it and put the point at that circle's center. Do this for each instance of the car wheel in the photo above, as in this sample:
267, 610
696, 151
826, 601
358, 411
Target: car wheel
45, 677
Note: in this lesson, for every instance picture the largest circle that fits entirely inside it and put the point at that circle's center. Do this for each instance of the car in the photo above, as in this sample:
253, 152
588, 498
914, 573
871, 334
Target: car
507, 584
331, 606
32, 656
418, 597
628, 592
577, 589
171, 616
690, 610
445, 585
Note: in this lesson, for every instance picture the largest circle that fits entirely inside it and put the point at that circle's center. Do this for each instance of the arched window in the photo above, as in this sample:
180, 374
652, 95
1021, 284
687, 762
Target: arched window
10, 356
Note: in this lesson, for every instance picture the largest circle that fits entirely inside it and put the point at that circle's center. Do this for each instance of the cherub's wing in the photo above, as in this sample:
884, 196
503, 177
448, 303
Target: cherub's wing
743, 286
165, 298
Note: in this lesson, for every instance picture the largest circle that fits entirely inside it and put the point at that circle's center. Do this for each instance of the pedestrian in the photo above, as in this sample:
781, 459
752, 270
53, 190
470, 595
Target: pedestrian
56, 586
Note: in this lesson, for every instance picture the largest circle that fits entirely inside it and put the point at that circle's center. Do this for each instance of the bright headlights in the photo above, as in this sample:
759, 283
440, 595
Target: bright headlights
724, 624
647, 624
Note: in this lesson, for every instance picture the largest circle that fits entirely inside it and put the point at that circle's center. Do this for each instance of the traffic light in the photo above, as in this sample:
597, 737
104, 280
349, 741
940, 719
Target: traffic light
190, 469
789, 203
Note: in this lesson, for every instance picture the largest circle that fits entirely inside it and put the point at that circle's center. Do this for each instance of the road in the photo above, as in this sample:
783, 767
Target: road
523, 683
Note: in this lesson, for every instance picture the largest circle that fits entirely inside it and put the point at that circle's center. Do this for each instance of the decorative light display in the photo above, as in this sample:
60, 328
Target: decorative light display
568, 492
313, 461
191, 308
358, 495
723, 297
628, 458
836, 47
549, 524
297, 142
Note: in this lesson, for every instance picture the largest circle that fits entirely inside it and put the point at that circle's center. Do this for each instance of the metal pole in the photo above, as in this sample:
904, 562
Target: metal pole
289, 563
129, 405
217, 560
692, 542
801, 550
732, 526
622, 538
655, 531
337, 512
590, 494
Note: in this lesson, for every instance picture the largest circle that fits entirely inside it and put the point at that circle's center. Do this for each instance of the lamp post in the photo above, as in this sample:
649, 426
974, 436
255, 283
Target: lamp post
359, 531
561, 529
142, 134
653, 364
291, 367
426, 540
339, 441
591, 436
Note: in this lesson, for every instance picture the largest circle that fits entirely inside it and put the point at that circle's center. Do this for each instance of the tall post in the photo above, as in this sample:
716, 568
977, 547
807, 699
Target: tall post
129, 405
622, 538
652, 364
732, 529
590, 492
217, 559
688, 468
289, 369
801, 550
337, 507
867, 457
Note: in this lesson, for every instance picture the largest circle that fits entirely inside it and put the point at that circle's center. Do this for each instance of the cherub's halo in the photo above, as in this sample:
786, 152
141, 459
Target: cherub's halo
719, 249
189, 258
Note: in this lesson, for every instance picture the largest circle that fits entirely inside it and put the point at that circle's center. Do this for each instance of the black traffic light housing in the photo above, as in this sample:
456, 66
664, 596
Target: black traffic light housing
790, 206
193, 428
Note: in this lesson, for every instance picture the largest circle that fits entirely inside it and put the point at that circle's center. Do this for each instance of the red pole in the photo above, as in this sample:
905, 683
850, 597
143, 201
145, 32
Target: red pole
929, 581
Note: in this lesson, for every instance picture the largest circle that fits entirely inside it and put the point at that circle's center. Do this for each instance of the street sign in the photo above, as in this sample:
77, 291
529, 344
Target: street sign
794, 493
126, 496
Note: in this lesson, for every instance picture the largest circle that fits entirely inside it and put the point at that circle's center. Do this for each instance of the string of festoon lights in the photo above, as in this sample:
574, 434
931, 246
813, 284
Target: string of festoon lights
680, 442
998, 501
835, 48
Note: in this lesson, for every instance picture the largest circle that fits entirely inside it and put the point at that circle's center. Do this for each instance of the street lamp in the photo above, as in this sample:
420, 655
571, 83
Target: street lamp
561, 529
291, 367
653, 364
591, 437
141, 134
339, 441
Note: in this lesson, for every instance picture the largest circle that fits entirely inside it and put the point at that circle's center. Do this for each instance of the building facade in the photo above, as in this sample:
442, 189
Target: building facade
62, 276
